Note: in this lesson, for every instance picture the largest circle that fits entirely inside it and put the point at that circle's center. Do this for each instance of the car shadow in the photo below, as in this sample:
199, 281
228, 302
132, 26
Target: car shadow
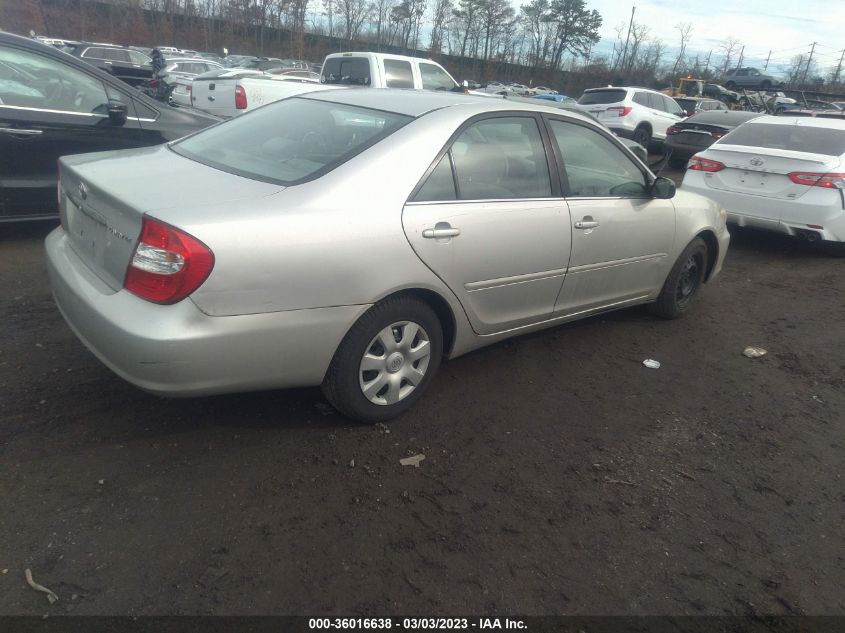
768, 243
30, 229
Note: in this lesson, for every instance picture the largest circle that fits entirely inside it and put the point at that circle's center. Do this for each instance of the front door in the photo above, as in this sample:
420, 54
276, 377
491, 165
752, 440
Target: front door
49, 109
621, 236
488, 221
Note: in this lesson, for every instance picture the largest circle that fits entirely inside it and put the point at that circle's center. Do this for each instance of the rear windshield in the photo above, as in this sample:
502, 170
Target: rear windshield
354, 71
602, 96
797, 138
290, 141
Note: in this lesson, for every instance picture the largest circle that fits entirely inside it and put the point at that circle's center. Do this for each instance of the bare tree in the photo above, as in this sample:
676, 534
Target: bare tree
729, 47
684, 31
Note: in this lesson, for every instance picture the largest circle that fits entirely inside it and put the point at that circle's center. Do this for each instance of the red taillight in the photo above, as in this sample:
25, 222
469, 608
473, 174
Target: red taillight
828, 181
153, 83
621, 110
189, 89
696, 163
240, 98
717, 135
62, 218
168, 264
673, 130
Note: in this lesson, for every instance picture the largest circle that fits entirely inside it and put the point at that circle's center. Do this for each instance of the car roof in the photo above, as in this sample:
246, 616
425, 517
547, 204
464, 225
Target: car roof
416, 103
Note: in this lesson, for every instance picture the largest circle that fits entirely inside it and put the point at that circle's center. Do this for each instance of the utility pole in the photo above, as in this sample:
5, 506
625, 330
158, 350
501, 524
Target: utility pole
809, 61
628, 39
768, 57
839, 68
741, 55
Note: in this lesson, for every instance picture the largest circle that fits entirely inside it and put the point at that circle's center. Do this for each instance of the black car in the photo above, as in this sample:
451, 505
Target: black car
690, 136
51, 105
131, 66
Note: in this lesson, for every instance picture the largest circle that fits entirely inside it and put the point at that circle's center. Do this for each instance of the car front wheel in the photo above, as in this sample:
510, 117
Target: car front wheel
683, 283
386, 361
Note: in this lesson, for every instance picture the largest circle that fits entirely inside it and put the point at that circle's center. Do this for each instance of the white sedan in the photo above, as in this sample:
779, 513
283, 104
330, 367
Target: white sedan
784, 174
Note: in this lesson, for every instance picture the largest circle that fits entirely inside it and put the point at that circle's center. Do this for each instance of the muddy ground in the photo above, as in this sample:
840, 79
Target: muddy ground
561, 476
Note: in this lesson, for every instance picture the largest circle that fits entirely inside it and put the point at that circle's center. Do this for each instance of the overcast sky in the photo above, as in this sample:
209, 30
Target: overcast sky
787, 27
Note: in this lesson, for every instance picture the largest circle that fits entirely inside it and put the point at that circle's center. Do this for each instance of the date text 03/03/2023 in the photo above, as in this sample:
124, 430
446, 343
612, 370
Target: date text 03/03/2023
412, 624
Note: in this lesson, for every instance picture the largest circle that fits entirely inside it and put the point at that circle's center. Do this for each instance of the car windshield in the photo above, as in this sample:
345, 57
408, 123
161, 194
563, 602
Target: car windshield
796, 138
290, 141
601, 97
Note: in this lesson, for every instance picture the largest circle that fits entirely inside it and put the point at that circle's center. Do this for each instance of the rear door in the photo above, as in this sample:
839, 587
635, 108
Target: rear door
49, 109
489, 222
621, 236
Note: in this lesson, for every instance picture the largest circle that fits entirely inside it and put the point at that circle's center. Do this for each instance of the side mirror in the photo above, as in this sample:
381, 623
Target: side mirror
663, 188
117, 113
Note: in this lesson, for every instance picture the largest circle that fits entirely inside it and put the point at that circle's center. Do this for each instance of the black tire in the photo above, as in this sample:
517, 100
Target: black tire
731, 85
342, 385
683, 282
642, 135
678, 163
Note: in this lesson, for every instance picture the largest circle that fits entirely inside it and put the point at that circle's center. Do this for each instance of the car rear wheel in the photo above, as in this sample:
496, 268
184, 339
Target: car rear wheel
386, 361
642, 135
683, 283
731, 85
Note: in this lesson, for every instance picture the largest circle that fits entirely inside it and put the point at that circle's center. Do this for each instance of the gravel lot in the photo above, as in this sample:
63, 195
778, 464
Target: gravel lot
561, 476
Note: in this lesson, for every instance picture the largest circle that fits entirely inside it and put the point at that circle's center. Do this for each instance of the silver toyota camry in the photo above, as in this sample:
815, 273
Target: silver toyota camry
354, 238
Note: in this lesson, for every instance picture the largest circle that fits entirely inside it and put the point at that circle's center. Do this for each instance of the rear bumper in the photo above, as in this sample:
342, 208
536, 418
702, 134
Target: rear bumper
178, 350
790, 217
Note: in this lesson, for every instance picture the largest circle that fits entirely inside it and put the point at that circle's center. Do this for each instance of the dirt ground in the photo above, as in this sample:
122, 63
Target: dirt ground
561, 476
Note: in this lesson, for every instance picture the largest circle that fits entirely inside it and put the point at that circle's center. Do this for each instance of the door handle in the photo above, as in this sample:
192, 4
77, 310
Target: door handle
587, 223
18, 132
211, 97
438, 233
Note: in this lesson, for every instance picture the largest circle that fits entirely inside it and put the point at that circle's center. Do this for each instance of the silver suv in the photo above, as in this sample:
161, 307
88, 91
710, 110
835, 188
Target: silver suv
750, 78
639, 114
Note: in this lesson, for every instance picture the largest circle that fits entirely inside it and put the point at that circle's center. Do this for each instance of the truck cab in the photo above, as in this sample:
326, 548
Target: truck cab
381, 70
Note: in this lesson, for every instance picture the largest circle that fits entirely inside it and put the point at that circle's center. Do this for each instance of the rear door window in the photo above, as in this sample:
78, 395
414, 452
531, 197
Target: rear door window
655, 101
642, 99
501, 158
602, 96
440, 185
398, 74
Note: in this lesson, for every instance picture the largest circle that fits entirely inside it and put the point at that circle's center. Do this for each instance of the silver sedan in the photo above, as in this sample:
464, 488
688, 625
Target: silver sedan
354, 238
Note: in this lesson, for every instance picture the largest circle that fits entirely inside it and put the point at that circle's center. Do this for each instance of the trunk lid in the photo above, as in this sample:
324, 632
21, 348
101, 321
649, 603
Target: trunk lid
104, 199
763, 172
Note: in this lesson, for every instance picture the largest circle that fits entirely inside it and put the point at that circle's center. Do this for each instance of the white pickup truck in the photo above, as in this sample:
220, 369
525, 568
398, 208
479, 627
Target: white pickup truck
237, 90
381, 70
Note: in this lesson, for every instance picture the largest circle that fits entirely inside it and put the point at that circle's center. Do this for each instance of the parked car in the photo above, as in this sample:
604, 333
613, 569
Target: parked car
750, 78
693, 105
380, 70
700, 131
640, 114
52, 104
778, 173
126, 64
543, 90
807, 104
303, 75
720, 93
553, 96
179, 72
249, 270
497, 88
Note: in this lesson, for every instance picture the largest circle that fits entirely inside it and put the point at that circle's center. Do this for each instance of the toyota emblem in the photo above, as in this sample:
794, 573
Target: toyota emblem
756, 161
83, 191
